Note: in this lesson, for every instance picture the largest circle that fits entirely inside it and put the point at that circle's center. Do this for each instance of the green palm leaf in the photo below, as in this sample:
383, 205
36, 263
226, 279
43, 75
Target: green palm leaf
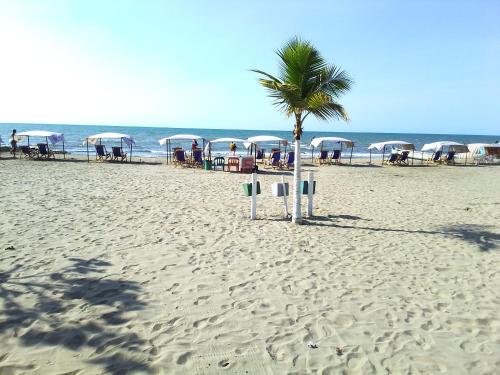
306, 84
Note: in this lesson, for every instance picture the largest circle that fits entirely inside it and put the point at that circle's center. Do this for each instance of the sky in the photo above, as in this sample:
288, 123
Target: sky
418, 66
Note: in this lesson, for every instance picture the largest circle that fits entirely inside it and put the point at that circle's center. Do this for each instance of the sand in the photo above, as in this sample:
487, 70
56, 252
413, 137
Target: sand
147, 268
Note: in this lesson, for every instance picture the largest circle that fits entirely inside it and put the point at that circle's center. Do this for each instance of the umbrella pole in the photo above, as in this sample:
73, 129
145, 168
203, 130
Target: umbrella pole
340, 156
88, 157
64, 153
312, 154
370, 156
350, 157
383, 154
130, 159
412, 157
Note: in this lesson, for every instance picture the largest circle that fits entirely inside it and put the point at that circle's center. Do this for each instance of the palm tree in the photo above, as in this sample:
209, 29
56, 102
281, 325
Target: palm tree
306, 85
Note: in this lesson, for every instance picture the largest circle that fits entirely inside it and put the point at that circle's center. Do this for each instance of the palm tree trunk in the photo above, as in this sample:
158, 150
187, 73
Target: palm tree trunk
297, 211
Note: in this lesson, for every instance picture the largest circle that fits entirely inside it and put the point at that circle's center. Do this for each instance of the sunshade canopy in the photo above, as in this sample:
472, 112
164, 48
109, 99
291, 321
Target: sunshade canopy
51, 136
179, 137
484, 148
317, 141
125, 137
264, 138
223, 140
220, 140
453, 146
401, 144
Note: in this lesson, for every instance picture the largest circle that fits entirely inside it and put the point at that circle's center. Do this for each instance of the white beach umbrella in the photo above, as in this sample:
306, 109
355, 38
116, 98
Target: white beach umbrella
53, 137
319, 141
179, 137
222, 140
437, 146
380, 146
124, 138
127, 139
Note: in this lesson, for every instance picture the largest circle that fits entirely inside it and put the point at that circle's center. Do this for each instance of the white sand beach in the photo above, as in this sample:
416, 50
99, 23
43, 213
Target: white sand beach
146, 268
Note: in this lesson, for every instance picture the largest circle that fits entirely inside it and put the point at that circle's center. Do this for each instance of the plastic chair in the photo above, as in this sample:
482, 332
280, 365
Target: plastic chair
233, 162
218, 162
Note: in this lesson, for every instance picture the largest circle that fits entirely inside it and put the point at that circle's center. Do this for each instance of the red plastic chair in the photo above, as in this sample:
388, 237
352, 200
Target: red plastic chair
233, 162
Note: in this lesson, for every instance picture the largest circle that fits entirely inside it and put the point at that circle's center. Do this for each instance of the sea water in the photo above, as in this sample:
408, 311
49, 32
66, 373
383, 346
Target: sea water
147, 145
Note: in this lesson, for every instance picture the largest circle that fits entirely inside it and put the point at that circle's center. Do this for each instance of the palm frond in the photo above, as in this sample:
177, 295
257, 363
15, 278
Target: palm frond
306, 83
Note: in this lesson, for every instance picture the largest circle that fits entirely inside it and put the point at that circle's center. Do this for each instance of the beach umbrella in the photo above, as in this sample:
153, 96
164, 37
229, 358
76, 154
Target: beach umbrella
380, 146
124, 138
319, 141
167, 142
53, 137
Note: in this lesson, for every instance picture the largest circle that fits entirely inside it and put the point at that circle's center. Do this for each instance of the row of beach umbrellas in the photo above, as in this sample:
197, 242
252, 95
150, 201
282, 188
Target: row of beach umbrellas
250, 143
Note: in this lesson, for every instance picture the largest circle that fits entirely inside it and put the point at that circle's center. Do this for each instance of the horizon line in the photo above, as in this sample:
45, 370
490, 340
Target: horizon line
265, 129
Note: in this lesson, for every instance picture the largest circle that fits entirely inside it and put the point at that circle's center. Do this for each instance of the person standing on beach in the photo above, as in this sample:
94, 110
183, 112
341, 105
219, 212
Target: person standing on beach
13, 143
194, 145
232, 148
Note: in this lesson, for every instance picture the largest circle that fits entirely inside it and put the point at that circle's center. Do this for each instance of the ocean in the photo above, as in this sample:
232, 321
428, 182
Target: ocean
147, 144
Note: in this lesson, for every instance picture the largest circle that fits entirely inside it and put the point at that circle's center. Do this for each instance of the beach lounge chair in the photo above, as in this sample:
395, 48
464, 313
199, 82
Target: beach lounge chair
179, 157
218, 162
274, 160
290, 160
449, 158
233, 163
393, 159
335, 157
44, 152
436, 158
260, 155
101, 153
118, 154
197, 159
323, 157
28, 152
403, 158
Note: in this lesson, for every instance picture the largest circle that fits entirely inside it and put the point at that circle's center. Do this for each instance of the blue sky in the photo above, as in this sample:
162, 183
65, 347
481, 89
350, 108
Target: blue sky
418, 66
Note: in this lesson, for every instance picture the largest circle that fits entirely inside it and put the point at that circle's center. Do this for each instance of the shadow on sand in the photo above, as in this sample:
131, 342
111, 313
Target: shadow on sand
476, 235
80, 286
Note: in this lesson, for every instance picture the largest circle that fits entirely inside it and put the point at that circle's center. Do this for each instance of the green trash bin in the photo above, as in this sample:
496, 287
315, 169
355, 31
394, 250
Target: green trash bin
247, 188
305, 187
207, 165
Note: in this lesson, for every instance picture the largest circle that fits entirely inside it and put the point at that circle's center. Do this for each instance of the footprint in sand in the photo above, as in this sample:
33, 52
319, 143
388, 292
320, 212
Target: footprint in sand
201, 300
183, 358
